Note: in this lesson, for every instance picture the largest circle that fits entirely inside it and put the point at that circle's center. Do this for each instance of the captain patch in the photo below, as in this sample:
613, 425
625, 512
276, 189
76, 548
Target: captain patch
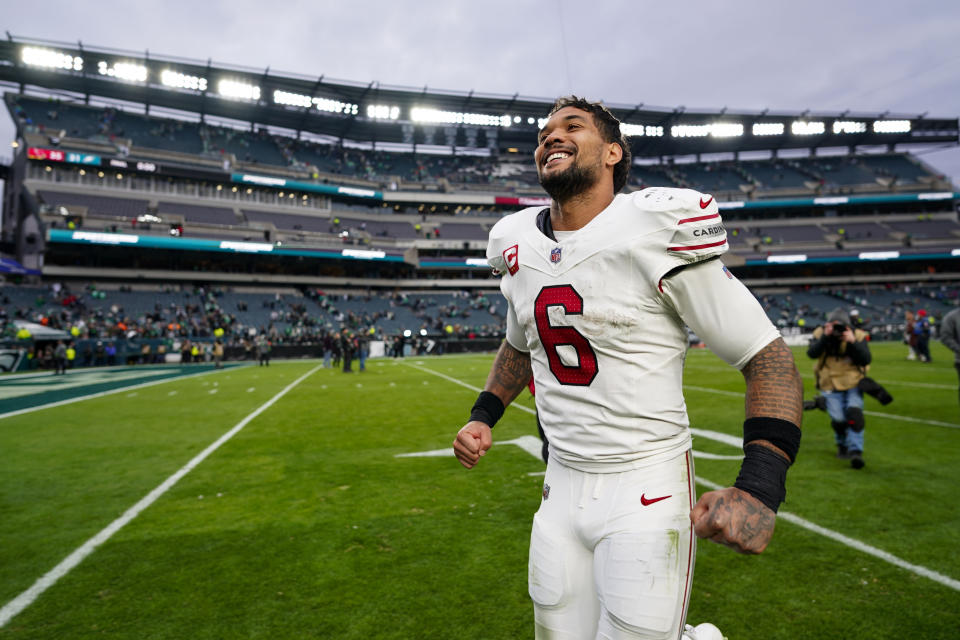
511, 258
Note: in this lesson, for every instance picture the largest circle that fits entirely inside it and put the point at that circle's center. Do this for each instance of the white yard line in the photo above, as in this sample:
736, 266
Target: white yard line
856, 544
890, 416
789, 517
886, 382
46, 581
876, 414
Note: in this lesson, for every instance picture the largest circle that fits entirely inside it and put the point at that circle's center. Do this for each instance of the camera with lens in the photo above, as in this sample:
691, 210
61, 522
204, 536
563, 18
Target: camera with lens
839, 327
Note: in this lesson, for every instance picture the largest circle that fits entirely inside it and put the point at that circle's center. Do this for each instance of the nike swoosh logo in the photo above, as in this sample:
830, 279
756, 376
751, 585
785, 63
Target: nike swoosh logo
705, 203
648, 501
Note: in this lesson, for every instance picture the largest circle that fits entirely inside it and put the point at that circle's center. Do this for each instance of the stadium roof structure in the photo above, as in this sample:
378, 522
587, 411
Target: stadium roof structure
384, 115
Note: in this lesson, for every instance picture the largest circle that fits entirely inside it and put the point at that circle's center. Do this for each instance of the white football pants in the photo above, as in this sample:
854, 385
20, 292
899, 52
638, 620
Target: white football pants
611, 554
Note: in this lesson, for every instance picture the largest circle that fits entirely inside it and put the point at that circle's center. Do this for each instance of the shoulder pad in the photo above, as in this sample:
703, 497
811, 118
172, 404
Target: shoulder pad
504, 236
696, 228
666, 199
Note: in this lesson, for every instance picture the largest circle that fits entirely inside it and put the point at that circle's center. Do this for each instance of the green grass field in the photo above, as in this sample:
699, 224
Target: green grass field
306, 524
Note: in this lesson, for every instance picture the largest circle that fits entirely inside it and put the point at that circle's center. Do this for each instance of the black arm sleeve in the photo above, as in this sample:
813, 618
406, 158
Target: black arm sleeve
859, 353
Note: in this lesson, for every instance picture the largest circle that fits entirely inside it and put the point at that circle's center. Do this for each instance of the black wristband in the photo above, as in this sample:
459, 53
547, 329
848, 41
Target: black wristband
487, 409
782, 434
763, 475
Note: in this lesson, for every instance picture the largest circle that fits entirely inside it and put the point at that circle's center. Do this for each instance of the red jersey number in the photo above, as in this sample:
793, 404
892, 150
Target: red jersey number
583, 373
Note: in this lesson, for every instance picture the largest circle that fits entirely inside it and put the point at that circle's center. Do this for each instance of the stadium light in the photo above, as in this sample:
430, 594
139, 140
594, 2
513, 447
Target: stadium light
423, 114
891, 126
291, 99
726, 129
849, 126
335, 106
631, 130
50, 59
714, 129
805, 128
129, 71
768, 129
178, 80
237, 90
383, 111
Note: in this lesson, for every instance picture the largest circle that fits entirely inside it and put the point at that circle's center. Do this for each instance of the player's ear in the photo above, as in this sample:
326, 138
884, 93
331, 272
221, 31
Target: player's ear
614, 154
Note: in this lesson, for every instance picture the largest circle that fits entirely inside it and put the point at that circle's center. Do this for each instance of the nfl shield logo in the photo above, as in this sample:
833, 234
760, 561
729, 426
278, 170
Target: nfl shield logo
555, 255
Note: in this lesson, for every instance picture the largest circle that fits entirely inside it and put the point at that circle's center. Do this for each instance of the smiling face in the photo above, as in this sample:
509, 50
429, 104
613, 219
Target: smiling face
572, 156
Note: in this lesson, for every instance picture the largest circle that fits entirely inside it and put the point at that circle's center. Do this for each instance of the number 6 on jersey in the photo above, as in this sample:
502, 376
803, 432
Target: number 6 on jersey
564, 295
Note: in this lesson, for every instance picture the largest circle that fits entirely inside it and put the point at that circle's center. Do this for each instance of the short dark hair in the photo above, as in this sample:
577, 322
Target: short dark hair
609, 127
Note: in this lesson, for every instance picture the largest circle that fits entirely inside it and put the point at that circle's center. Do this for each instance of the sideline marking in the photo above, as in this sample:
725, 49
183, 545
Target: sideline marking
789, 517
100, 394
46, 581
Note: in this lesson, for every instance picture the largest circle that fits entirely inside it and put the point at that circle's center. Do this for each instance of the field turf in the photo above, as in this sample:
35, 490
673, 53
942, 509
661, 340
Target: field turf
305, 523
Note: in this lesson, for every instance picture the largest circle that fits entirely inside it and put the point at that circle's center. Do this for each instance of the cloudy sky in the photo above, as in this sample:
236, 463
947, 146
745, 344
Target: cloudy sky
868, 56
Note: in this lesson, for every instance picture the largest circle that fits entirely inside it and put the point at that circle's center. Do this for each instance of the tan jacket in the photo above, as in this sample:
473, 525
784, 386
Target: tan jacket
841, 372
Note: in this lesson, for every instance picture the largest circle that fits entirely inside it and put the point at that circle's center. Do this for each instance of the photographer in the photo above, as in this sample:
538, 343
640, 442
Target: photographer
842, 354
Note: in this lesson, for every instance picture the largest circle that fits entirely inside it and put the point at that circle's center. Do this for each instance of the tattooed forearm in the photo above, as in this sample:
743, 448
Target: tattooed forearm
774, 387
510, 373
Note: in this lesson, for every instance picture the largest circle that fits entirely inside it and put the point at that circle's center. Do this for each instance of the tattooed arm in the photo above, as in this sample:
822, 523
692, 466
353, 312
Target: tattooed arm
508, 377
732, 516
510, 373
774, 387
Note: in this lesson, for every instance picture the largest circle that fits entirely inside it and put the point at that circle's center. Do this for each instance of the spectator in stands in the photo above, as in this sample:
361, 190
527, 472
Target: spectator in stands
921, 329
950, 335
842, 354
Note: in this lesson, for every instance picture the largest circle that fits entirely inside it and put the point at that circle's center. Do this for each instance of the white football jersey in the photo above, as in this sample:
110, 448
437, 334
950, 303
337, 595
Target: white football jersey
603, 319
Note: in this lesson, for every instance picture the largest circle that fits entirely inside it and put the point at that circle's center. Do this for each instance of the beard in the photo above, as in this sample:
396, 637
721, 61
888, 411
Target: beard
566, 184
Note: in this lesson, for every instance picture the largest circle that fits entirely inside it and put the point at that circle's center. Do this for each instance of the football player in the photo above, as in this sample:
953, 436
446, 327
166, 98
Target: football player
599, 287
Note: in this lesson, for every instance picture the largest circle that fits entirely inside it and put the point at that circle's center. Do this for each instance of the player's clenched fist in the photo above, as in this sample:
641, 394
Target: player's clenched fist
734, 518
472, 441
